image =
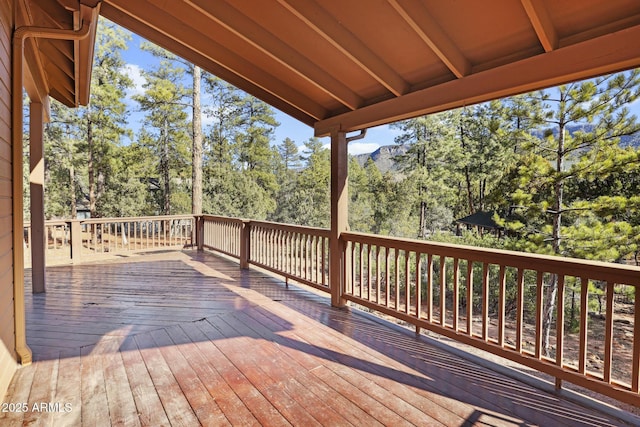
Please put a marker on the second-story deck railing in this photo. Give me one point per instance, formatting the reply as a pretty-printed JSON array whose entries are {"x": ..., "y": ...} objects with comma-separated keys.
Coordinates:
[{"x": 557, "y": 315}]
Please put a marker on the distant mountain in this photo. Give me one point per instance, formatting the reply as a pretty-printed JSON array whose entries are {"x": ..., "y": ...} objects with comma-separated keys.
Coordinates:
[
  {"x": 384, "y": 156},
  {"x": 625, "y": 141}
]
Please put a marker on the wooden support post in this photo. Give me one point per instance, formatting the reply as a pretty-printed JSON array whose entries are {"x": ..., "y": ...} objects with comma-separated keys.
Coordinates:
[
  {"x": 76, "y": 240},
  {"x": 200, "y": 232},
  {"x": 339, "y": 215},
  {"x": 38, "y": 241},
  {"x": 245, "y": 244}
]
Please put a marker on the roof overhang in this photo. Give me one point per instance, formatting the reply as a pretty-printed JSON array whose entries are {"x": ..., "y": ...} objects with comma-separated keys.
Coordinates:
[
  {"x": 59, "y": 68},
  {"x": 349, "y": 65}
]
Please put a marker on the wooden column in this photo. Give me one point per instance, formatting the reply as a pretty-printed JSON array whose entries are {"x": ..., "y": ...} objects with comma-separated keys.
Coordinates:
[
  {"x": 339, "y": 215},
  {"x": 75, "y": 228},
  {"x": 38, "y": 241},
  {"x": 245, "y": 244},
  {"x": 199, "y": 232}
]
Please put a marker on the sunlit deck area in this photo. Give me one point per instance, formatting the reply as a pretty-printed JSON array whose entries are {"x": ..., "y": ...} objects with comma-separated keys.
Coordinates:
[{"x": 188, "y": 338}]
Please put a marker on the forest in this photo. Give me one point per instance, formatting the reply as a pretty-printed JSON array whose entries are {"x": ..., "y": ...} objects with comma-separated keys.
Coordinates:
[{"x": 560, "y": 169}]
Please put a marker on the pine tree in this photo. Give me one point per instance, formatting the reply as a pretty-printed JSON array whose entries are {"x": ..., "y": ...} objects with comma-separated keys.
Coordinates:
[
  {"x": 104, "y": 118},
  {"x": 579, "y": 146},
  {"x": 431, "y": 164},
  {"x": 166, "y": 132},
  {"x": 289, "y": 164}
]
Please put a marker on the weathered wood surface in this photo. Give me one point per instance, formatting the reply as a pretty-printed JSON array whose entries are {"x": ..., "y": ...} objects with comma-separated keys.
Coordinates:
[{"x": 186, "y": 338}]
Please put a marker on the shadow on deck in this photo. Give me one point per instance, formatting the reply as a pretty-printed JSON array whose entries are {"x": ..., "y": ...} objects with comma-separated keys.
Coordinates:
[{"x": 187, "y": 338}]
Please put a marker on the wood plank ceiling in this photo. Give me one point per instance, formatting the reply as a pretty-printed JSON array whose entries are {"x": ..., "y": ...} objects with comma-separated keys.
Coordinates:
[
  {"x": 60, "y": 68},
  {"x": 352, "y": 64}
]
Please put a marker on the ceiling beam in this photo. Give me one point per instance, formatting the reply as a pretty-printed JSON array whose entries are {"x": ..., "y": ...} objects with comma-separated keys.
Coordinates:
[
  {"x": 261, "y": 39},
  {"x": 541, "y": 21},
  {"x": 428, "y": 29},
  {"x": 237, "y": 71},
  {"x": 607, "y": 54},
  {"x": 339, "y": 36}
]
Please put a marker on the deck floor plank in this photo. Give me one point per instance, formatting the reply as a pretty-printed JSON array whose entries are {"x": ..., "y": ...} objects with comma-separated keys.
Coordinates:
[
  {"x": 122, "y": 406},
  {"x": 202, "y": 403},
  {"x": 260, "y": 407},
  {"x": 69, "y": 381},
  {"x": 269, "y": 358},
  {"x": 148, "y": 405},
  {"x": 187, "y": 338},
  {"x": 173, "y": 400},
  {"x": 95, "y": 407},
  {"x": 227, "y": 400}
]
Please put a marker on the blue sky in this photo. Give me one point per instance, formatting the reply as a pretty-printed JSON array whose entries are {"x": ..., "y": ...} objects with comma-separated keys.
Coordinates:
[{"x": 138, "y": 59}]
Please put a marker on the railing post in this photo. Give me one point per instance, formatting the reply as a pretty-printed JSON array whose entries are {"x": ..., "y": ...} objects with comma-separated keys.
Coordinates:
[
  {"x": 200, "y": 232},
  {"x": 76, "y": 240},
  {"x": 245, "y": 244}
]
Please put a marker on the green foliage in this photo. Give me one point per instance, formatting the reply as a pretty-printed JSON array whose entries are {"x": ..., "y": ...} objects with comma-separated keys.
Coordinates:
[
  {"x": 573, "y": 193},
  {"x": 166, "y": 133}
]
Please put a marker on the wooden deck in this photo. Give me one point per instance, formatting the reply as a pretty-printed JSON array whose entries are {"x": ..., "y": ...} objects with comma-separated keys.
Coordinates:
[{"x": 186, "y": 338}]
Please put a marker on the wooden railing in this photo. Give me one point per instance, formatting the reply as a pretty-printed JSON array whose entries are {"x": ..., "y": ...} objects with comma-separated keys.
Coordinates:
[
  {"x": 221, "y": 234},
  {"x": 298, "y": 253},
  {"x": 557, "y": 315},
  {"x": 57, "y": 240},
  {"x": 506, "y": 303},
  {"x": 81, "y": 240}
]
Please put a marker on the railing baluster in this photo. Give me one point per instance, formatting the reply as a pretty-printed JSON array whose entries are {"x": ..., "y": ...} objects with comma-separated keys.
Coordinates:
[
  {"x": 560, "y": 328},
  {"x": 485, "y": 301},
  {"x": 469, "y": 297},
  {"x": 501, "y": 304},
  {"x": 407, "y": 282},
  {"x": 635, "y": 368},
  {"x": 520, "y": 314},
  {"x": 430, "y": 287},
  {"x": 418, "y": 285},
  {"x": 584, "y": 315},
  {"x": 539, "y": 313},
  {"x": 456, "y": 292},
  {"x": 396, "y": 254},
  {"x": 387, "y": 276},
  {"x": 608, "y": 333},
  {"x": 443, "y": 290}
]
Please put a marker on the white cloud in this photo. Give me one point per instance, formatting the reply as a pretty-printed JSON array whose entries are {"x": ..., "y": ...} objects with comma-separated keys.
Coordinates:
[
  {"x": 135, "y": 74},
  {"x": 362, "y": 147},
  {"x": 355, "y": 148}
]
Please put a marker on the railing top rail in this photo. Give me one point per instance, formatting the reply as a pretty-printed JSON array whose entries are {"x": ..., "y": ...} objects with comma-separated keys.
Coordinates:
[
  {"x": 596, "y": 270},
  {"x": 48, "y": 222},
  {"x": 323, "y": 232},
  {"x": 134, "y": 219},
  {"x": 223, "y": 219}
]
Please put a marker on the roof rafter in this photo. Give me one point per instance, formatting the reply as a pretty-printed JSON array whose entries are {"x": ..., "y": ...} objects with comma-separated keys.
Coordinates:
[
  {"x": 238, "y": 71},
  {"x": 617, "y": 52},
  {"x": 259, "y": 38},
  {"x": 325, "y": 25},
  {"x": 428, "y": 29},
  {"x": 541, "y": 21}
]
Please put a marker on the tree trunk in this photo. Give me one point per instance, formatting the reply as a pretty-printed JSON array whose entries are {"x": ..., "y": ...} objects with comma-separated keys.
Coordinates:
[
  {"x": 164, "y": 167},
  {"x": 196, "y": 168},
  {"x": 72, "y": 190},
  {"x": 92, "y": 172},
  {"x": 423, "y": 211},
  {"x": 552, "y": 289}
]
